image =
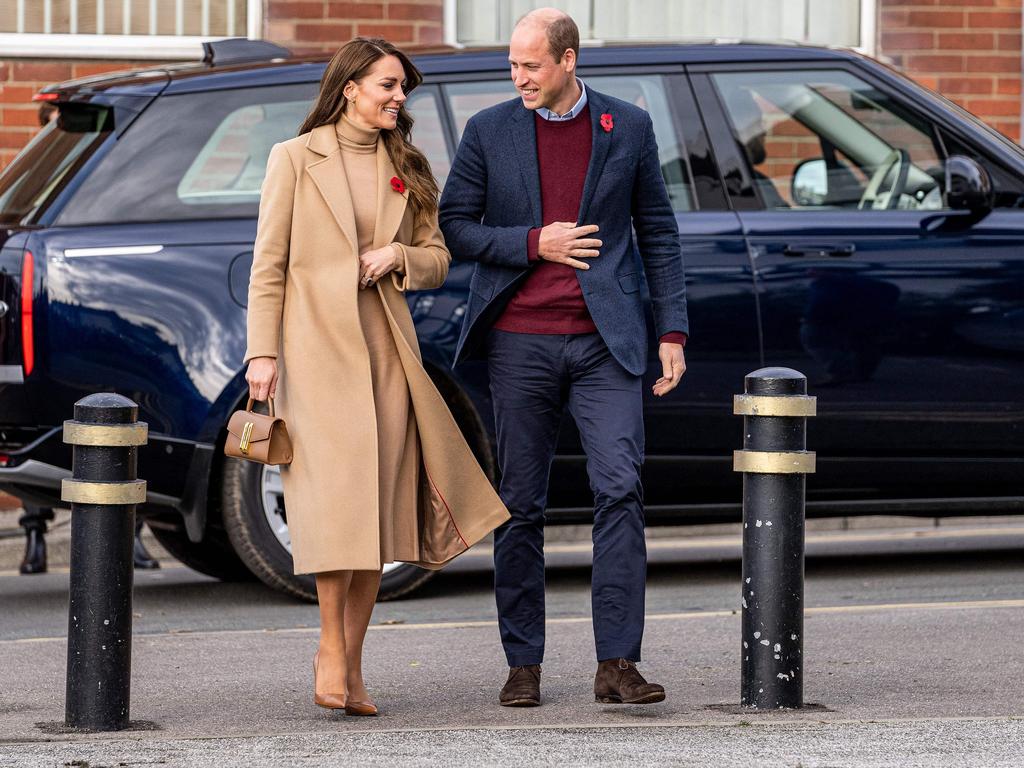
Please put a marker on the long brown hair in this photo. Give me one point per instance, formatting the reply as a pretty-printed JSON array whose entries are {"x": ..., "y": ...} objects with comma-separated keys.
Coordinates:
[{"x": 353, "y": 62}]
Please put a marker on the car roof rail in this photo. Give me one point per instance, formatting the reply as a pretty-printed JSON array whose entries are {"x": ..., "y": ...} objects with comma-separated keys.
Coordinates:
[{"x": 237, "y": 49}]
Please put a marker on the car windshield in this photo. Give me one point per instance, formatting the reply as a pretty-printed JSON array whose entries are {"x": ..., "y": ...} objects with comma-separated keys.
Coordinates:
[{"x": 30, "y": 183}]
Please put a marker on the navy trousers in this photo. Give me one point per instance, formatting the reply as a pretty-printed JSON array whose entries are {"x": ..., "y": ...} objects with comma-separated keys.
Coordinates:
[{"x": 533, "y": 379}]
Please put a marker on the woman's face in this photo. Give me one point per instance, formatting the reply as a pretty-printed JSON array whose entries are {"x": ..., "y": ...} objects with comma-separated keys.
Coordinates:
[{"x": 378, "y": 96}]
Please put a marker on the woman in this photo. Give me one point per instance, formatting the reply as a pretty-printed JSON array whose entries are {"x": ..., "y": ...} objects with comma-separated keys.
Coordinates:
[{"x": 348, "y": 222}]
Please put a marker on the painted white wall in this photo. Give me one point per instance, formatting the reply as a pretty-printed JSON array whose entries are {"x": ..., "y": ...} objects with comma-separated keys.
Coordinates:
[{"x": 824, "y": 22}]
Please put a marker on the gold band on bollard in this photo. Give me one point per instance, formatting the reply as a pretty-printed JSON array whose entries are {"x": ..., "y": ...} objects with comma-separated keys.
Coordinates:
[
  {"x": 84, "y": 492},
  {"x": 781, "y": 405},
  {"x": 774, "y": 462},
  {"x": 109, "y": 435}
]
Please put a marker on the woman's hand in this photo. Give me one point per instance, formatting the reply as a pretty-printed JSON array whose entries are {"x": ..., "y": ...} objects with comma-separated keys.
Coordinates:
[
  {"x": 262, "y": 377},
  {"x": 373, "y": 265}
]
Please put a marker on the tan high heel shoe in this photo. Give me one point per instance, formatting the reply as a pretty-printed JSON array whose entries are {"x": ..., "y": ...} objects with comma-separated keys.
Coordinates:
[
  {"x": 327, "y": 700},
  {"x": 361, "y": 709}
]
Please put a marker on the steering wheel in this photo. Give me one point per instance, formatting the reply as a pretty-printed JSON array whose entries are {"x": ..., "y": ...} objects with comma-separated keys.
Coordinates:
[{"x": 897, "y": 163}]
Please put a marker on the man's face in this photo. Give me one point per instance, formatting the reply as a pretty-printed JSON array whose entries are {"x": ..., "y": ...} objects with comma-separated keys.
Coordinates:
[{"x": 540, "y": 80}]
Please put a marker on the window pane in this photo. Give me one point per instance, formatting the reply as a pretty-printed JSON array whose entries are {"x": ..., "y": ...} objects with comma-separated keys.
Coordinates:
[
  {"x": 826, "y": 139},
  {"x": 50, "y": 161},
  {"x": 124, "y": 17},
  {"x": 648, "y": 92},
  {"x": 645, "y": 91},
  {"x": 836, "y": 22},
  {"x": 428, "y": 132},
  {"x": 212, "y": 156},
  {"x": 466, "y": 99},
  {"x": 230, "y": 167}
]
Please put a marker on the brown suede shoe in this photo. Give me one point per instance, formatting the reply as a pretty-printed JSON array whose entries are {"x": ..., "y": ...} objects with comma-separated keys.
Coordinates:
[
  {"x": 619, "y": 682},
  {"x": 522, "y": 689}
]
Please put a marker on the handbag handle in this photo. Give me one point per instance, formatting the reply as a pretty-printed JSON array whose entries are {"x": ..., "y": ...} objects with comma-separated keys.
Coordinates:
[{"x": 252, "y": 401}]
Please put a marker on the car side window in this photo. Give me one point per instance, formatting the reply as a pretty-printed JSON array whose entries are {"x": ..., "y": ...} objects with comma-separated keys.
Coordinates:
[
  {"x": 646, "y": 91},
  {"x": 827, "y": 140},
  {"x": 204, "y": 155},
  {"x": 428, "y": 131},
  {"x": 192, "y": 156},
  {"x": 232, "y": 163}
]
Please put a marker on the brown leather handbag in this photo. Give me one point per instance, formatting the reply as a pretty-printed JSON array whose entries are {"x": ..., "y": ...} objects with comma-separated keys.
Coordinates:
[{"x": 258, "y": 437}]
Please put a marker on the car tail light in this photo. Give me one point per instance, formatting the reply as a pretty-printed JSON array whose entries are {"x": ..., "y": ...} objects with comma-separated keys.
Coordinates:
[
  {"x": 46, "y": 97},
  {"x": 27, "y": 281}
]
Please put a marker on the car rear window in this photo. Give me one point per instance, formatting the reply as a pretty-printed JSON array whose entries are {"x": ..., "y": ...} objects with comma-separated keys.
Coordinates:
[{"x": 50, "y": 161}]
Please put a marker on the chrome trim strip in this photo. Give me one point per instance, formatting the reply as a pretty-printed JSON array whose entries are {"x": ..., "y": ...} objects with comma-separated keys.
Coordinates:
[
  {"x": 38, "y": 473},
  {"x": 11, "y": 374},
  {"x": 117, "y": 250},
  {"x": 34, "y": 472}
]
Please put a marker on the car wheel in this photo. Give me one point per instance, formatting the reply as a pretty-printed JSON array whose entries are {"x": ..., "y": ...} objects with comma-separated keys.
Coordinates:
[
  {"x": 256, "y": 520},
  {"x": 213, "y": 556}
]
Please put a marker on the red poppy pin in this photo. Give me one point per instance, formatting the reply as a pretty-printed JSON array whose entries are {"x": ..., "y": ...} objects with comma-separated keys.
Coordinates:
[
  {"x": 398, "y": 185},
  {"x": 606, "y": 122}
]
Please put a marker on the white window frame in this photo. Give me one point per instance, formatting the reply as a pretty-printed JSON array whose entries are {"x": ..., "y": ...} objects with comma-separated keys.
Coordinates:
[
  {"x": 84, "y": 46},
  {"x": 868, "y": 26}
]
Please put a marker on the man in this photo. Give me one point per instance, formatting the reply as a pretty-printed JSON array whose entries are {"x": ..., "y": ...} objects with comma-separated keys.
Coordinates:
[{"x": 542, "y": 193}]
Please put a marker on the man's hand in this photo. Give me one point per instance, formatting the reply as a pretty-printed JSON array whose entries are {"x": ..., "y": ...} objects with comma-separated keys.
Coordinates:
[
  {"x": 565, "y": 243},
  {"x": 673, "y": 366}
]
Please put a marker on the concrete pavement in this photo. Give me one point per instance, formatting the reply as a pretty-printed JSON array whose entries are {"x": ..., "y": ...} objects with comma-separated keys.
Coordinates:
[{"x": 914, "y": 659}]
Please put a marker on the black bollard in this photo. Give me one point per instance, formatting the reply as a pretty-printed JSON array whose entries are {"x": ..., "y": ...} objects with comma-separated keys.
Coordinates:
[
  {"x": 774, "y": 461},
  {"x": 103, "y": 493}
]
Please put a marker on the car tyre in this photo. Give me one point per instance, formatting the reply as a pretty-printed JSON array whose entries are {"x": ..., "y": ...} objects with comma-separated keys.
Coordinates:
[{"x": 213, "y": 556}]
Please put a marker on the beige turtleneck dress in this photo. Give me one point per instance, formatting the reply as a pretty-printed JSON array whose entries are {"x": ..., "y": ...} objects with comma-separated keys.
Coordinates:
[{"x": 396, "y": 427}]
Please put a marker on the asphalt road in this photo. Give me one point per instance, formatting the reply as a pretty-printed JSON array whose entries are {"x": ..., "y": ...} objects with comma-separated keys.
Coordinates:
[{"x": 910, "y": 650}]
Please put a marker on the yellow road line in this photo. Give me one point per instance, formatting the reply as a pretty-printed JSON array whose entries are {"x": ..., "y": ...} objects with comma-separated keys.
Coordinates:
[
  {"x": 818, "y": 537},
  {"x": 960, "y": 605}
]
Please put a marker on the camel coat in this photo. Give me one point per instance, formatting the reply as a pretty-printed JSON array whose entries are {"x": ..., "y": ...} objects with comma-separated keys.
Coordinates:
[{"x": 303, "y": 310}]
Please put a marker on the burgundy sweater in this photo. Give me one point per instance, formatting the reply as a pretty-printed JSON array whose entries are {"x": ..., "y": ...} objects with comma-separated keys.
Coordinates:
[{"x": 550, "y": 300}]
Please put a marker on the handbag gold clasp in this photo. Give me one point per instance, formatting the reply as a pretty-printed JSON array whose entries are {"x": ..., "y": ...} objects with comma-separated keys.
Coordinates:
[{"x": 243, "y": 443}]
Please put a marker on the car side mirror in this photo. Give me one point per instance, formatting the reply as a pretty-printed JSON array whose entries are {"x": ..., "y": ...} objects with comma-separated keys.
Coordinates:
[
  {"x": 968, "y": 186},
  {"x": 810, "y": 182}
]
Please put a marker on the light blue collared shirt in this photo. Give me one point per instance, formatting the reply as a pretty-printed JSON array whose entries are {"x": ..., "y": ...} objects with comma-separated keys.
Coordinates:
[{"x": 547, "y": 114}]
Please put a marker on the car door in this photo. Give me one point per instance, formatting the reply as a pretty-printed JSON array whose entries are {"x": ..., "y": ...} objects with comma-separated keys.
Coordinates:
[
  {"x": 905, "y": 318},
  {"x": 691, "y": 432}
]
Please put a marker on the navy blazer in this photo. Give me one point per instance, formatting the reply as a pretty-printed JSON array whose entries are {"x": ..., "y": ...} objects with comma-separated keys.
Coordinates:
[{"x": 492, "y": 200}]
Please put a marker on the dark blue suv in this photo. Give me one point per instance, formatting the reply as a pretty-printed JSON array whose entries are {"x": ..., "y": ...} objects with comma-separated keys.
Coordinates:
[{"x": 834, "y": 216}]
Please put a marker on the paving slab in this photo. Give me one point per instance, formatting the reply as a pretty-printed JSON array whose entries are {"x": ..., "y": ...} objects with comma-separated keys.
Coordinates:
[{"x": 910, "y": 649}]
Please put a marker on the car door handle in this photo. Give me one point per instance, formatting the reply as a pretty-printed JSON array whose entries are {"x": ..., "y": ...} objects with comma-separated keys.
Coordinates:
[{"x": 833, "y": 250}]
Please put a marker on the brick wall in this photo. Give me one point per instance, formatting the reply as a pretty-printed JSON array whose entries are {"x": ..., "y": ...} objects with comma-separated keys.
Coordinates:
[
  {"x": 968, "y": 50},
  {"x": 316, "y": 25}
]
